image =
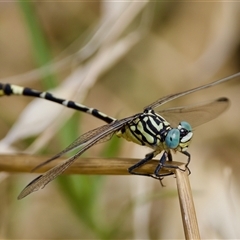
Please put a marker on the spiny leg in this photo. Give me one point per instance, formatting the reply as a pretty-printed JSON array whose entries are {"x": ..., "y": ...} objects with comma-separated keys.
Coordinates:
[
  {"x": 163, "y": 159},
  {"x": 188, "y": 161},
  {"x": 147, "y": 158}
]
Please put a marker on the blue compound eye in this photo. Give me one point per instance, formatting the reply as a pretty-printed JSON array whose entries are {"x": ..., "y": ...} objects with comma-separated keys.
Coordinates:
[
  {"x": 172, "y": 139},
  {"x": 185, "y": 125}
]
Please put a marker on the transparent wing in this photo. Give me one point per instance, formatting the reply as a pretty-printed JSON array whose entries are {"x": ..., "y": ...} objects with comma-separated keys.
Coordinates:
[
  {"x": 85, "y": 141},
  {"x": 195, "y": 114},
  {"x": 171, "y": 97},
  {"x": 80, "y": 142}
]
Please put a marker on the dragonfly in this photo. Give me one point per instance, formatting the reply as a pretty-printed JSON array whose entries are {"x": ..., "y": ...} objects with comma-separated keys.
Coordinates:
[{"x": 167, "y": 131}]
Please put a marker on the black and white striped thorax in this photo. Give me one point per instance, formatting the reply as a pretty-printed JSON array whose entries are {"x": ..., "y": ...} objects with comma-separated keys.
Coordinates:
[{"x": 149, "y": 129}]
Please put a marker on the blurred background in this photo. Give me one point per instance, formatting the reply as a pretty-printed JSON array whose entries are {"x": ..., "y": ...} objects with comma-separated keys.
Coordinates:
[{"x": 118, "y": 57}]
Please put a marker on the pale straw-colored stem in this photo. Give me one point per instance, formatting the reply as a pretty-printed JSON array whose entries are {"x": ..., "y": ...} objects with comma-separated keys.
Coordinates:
[
  {"x": 113, "y": 166},
  {"x": 103, "y": 166},
  {"x": 189, "y": 217}
]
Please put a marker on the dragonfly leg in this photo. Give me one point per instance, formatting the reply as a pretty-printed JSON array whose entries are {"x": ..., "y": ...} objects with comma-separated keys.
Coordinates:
[
  {"x": 147, "y": 158},
  {"x": 188, "y": 161},
  {"x": 166, "y": 155},
  {"x": 169, "y": 156},
  {"x": 163, "y": 159}
]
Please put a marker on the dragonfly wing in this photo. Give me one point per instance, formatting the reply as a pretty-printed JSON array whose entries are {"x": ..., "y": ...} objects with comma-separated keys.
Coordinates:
[
  {"x": 91, "y": 138},
  {"x": 195, "y": 114},
  {"x": 79, "y": 143},
  {"x": 171, "y": 97}
]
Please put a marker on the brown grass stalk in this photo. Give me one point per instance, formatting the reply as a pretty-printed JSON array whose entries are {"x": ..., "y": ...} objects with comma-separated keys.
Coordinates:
[
  {"x": 189, "y": 217},
  {"x": 103, "y": 166},
  {"x": 113, "y": 166}
]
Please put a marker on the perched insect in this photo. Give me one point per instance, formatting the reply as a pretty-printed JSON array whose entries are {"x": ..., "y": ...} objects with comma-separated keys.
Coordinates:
[{"x": 162, "y": 131}]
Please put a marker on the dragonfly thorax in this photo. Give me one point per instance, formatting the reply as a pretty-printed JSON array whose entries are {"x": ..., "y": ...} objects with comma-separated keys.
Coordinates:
[{"x": 152, "y": 130}]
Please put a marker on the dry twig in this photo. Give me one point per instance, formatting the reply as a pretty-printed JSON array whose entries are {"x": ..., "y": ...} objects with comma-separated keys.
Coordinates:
[
  {"x": 113, "y": 166},
  {"x": 189, "y": 217}
]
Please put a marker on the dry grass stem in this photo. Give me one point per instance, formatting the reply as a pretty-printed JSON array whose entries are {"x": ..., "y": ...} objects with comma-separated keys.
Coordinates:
[
  {"x": 112, "y": 166},
  {"x": 189, "y": 217},
  {"x": 103, "y": 166}
]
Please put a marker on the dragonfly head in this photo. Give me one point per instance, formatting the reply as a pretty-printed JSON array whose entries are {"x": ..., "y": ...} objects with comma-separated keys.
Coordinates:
[{"x": 179, "y": 138}]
